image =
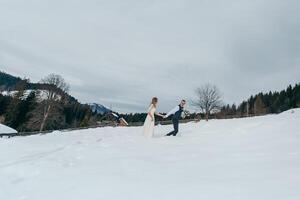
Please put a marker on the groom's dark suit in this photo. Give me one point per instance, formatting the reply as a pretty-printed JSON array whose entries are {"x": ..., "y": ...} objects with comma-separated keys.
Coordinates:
[{"x": 176, "y": 112}]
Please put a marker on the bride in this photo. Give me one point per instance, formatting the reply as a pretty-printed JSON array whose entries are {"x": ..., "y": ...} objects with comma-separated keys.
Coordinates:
[{"x": 150, "y": 119}]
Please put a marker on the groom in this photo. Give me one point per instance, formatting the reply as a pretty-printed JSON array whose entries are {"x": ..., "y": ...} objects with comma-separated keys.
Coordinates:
[{"x": 176, "y": 112}]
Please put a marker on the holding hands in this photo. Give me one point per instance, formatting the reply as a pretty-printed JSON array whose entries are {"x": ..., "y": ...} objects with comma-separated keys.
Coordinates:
[{"x": 161, "y": 115}]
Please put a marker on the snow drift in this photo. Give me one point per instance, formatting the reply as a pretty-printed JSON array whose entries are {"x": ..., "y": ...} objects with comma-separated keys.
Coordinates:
[{"x": 238, "y": 159}]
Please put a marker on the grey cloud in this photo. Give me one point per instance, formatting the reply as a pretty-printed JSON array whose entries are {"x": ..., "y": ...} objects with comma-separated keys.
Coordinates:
[{"x": 121, "y": 53}]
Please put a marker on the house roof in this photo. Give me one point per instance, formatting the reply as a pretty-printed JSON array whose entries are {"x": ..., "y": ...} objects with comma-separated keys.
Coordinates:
[{"x": 6, "y": 129}]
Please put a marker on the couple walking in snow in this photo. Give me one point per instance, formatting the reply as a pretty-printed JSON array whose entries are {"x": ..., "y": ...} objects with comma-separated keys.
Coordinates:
[{"x": 176, "y": 114}]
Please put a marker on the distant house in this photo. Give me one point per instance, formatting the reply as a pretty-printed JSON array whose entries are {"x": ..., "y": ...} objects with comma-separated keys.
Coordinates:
[
  {"x": 112, "y": 119},
  {"x": 122, "y": 122},
  {"x": 7, "y": 130}
]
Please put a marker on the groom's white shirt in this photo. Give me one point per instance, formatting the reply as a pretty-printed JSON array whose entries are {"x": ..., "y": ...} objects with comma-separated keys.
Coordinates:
[{"x": 172, "y": 112}]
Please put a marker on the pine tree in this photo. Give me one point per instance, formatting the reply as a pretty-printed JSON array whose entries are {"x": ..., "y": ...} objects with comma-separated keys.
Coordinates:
[
  {"x": 259, "y": 106},
  {"x": 26, "y": 106},
  {"x": 297, "y": 95},
  {"x": 4, "y": 103},
  {"x": 12, "y": 113},
  {"x": 234, "y": 109}
]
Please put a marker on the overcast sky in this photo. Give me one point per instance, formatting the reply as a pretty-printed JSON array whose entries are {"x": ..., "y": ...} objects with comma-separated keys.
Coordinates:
[{"x": 121, "y": 53}]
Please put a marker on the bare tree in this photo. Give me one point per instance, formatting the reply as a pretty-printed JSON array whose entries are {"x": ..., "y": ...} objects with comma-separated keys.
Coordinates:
[
  {"x": 208, "y": 99},
  {"x": 54, "y": 88}
]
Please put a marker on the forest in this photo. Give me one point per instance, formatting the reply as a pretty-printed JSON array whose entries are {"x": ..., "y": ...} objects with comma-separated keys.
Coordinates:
[{"x": 48, "y": 106}]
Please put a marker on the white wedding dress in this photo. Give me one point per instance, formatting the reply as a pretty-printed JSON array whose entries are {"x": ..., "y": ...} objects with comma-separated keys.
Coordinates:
[{"x": 149, "y": 124}]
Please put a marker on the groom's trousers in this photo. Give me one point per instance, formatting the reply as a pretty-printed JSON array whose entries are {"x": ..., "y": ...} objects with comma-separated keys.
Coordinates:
[{"x": 176, "y": 126}]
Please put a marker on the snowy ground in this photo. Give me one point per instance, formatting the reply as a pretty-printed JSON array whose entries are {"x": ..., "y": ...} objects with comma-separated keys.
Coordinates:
[{"x": 240, "y": 159}]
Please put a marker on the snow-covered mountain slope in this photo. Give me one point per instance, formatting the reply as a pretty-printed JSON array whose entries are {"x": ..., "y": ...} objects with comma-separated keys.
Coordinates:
[
  {"x": 41, "y": 94},
  {"x": 100, "y": 109},
  {"x": 240, "y": 159},
  {"x": 6, "y": 129}
]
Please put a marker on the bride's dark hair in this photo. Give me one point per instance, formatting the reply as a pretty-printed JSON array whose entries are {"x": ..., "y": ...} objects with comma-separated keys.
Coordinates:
[{"x": 154, "y": 101}]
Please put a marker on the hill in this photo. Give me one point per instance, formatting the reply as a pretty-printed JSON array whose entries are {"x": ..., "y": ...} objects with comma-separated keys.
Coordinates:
[
  {"x": 7, "y": 81},
  {"x": 23, "y": 105},
  {"x": 99, "y": 109}
]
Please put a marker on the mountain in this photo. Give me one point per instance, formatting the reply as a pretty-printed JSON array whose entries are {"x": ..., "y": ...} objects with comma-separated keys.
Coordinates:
[
  {"x": 25, "y": 113},
  {"x": 99, "y": 109},
  {"x": 8, "y": 81},
  {"x": 8, "y": 86}
]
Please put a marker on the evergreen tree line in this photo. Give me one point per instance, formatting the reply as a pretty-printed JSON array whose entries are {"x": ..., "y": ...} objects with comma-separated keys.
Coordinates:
[
  {"x": 260, "y": 104},
  {"x": 264, "y": 103},
  {"x": 24, "y": 112}
]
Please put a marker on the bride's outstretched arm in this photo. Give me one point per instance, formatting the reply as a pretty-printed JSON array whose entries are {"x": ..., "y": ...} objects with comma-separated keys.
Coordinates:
[{"x": 158, "y": 114}]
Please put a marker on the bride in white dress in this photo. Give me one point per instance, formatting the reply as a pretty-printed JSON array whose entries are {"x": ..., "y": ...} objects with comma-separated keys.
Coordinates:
[{"x": 150, "y": 119}]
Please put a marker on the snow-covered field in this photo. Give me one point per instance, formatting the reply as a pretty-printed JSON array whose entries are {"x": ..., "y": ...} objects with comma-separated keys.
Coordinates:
[{"x": 240, "y": 159}]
